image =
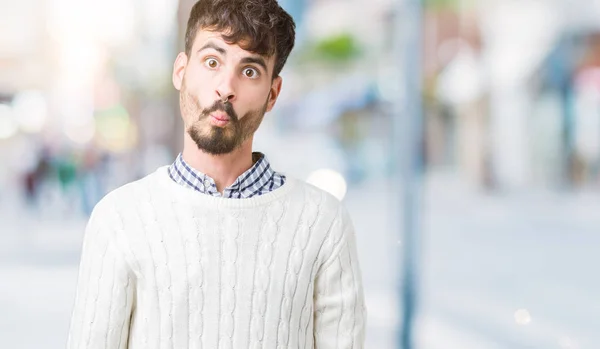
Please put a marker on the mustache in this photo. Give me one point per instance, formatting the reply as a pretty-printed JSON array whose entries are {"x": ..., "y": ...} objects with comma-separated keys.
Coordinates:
[{"x": 220, "y": 106}]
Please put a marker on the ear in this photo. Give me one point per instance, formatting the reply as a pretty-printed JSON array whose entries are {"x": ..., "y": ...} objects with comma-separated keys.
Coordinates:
[
  {"x": 179, "y": 70},
  {"x": 274, "y": 92}
]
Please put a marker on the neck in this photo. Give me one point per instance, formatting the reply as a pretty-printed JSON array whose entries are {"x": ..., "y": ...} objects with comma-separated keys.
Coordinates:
[{"x": 224, "y": 169}]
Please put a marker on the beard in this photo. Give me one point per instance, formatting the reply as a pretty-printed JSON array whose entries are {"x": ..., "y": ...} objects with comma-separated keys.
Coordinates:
[{"x": 213, "y": 139}]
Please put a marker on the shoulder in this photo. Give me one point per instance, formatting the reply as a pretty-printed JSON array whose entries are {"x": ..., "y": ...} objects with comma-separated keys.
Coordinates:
[
  {"x": 322, "y": 205},
  {"x": 128, "y": 195},
  {"x": 313, "y": 195}
]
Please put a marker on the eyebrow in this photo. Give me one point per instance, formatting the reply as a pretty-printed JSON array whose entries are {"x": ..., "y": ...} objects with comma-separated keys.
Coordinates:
[
  {"x": 214, "y": 47},
  {"x": 256, "y": 60}
]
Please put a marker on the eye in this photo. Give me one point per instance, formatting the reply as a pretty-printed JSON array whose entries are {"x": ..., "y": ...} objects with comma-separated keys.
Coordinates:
[
  {"x": 211, "y": 63},
  {"x": 251, "y": 73}
]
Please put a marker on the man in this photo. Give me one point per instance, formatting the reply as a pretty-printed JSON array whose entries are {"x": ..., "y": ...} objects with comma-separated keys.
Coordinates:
[{"x": 218, "y": 250}]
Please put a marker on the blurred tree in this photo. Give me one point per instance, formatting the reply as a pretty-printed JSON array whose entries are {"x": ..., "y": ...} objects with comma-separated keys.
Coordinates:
[
  {"x": 339, "y": 48},
  {"x": 447, "y": 4}
]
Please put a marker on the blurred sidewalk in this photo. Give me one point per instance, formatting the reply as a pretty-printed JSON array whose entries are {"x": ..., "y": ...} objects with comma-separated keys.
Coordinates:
[{"x": 483, "y": 258}]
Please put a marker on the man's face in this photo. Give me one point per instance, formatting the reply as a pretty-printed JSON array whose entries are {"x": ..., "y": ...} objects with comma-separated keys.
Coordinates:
[{"x": 224, "y": 92}]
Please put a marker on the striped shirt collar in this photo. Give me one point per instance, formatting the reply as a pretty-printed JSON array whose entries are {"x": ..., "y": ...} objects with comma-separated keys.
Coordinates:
[{"x": 259, "y": 179}]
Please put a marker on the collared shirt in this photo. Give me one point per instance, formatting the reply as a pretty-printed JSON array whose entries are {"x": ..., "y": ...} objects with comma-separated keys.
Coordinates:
[{"x": 259, "y": 179}]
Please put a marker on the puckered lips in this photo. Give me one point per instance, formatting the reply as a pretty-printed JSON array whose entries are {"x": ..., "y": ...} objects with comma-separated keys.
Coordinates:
[{"x": 219, "y": 119}]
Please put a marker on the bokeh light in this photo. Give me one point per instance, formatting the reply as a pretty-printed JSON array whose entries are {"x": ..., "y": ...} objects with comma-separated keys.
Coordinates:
[
  {"x": 522, "y": 317},
  {"x": 329, "y": 180},
  {"x": 31, "y": 111},
  {"x": 8, "y": 125}
]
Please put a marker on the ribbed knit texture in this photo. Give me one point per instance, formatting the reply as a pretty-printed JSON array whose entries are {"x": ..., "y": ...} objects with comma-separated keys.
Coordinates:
[{"x": 164, "y": 267}]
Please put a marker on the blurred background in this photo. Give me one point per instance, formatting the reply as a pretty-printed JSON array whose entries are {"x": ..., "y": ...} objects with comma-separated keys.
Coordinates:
[{"x": 505, "y": 178}]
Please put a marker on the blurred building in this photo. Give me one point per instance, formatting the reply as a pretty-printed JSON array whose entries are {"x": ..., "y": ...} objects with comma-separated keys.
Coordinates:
[{"x": 80, "y": 77}]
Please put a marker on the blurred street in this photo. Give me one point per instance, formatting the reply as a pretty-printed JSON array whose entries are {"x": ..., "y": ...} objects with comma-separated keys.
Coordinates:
[
  {"x": 498, "y": 271},
  {"x": 495, "y": 103}
]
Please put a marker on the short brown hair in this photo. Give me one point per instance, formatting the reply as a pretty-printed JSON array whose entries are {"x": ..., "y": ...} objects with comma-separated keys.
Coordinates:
[{"x": 263, "y": 26}]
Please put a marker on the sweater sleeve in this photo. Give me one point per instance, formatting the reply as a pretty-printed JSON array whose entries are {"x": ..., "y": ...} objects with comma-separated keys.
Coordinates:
[
  {"x": 105, "y": 289},
  {"x": 339, "y": 309}
]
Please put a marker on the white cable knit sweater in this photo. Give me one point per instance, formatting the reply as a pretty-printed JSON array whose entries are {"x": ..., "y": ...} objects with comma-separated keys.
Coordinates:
[{"x": 165, "y": 267}]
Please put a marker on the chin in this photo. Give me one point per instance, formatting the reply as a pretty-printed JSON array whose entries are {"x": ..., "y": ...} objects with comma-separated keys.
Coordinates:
[{"x": 212, "y": 144}]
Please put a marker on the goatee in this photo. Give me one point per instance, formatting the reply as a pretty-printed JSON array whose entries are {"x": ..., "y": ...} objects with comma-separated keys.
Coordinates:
[{"x": 217, "y": 140}]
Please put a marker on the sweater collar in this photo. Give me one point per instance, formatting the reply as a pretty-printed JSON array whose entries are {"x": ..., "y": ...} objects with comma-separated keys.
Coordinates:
[{"x": 255, "y": 181}]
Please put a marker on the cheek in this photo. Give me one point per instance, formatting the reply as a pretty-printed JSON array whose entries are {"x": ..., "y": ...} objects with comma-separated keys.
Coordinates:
[
  {"x": 198, "y": 84},
  {"x": 254, "y": 98}
]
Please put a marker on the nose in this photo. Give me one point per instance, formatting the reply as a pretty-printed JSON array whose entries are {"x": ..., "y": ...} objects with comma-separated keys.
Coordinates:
[{"x": 226, "y": 88}]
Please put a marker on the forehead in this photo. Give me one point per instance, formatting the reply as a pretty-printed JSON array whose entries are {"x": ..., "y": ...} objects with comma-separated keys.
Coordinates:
[{"x": 203, "y": 36}]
